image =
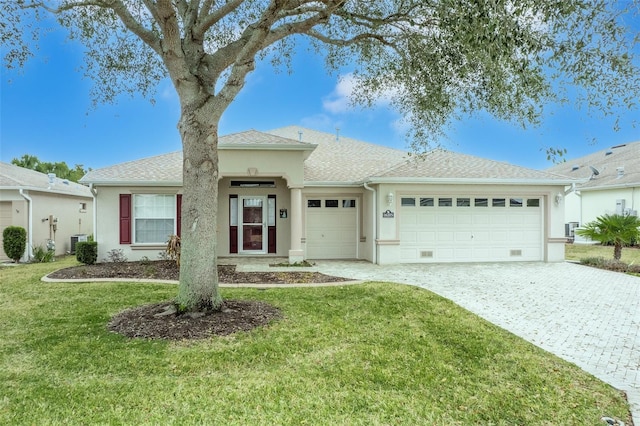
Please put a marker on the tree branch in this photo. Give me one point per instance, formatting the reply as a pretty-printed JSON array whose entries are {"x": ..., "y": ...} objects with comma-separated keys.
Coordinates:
[{"x": 206, "y": 20}]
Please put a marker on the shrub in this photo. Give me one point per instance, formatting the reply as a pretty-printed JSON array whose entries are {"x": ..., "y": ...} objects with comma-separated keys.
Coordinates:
[
  {"x": 173, "y": 249},
  {"x": 14, "y": 242},
  {"x": 42, "y": 255},
  {"x": 87, "y": 252},
  {"x": 116, "y": 256}
]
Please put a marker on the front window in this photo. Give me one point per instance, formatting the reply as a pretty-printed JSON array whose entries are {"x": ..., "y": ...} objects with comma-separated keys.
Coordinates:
[{"x": 154, "y": 218}]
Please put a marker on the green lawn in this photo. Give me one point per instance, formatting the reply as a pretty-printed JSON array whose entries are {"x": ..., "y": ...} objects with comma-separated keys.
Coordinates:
[
  {"x": 367, "y": 354},
  {"x": 582, "y": 251}
]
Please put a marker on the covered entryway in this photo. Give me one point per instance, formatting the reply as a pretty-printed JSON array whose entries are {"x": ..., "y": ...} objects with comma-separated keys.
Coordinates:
[
  {"x": 332, "y": 228},
  {"x": 470, "y": 229}
]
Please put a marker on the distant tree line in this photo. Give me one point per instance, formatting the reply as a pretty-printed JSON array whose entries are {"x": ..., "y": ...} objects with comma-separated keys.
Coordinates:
[{"x": 61, "y": 169}]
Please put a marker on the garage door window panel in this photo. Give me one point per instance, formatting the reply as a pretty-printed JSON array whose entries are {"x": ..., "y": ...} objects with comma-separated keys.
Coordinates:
[
  {"x": 515, "y": 202},
  {"x": 331, "y": 204},
  {"x": 407, "y": 202},
  {"x": 498, "y": 202},
  {"x": 463, "y": 202},
  {"x": 348, "y": 204},
  {"x": 533, "y": 202},
  {"x": 427, "y": 202},
  {"x": 314, "y": 204},
  {"x": 445, "y": 202},
  {"x": 481, "y": 202}
]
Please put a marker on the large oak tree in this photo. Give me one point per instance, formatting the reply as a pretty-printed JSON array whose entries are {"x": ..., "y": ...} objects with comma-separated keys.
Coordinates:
[{"x": 440, "y": 59}]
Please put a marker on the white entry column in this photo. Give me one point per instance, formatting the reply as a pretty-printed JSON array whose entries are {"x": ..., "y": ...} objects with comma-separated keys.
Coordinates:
[{"x": 296, "y": 254}]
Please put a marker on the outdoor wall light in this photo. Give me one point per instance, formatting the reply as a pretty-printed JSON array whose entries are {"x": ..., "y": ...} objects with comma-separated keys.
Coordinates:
[
  {"x": 390, "y": 198},
  {"x": 558, "y": 199}
]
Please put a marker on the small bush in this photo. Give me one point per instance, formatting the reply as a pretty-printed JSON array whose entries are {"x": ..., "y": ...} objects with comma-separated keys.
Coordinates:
[
  {"x": 173, "y": 249},
  {"x": 42, "y": 255},
  {"x": 116, "y": 256},
  {"x": 14, "y": 242},
  {"x": 87, "y": 252},
  {"x": 610, "y": 265}
]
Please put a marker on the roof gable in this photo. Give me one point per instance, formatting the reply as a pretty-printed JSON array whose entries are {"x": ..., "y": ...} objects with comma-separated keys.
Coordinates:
[{"x": 341, "y": 159}]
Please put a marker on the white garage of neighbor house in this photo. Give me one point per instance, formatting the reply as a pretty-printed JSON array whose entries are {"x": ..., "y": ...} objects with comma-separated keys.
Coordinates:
[
  {"x": 47, "y": 207},
  {"x": 608, "y": 182},
  {"x": 303, "y": 194}
]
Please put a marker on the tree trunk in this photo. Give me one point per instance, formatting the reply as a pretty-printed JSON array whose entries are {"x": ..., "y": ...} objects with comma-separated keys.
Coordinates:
[
  {"x": 617, "y": 251},
  {"x": 198, "y": 288}
]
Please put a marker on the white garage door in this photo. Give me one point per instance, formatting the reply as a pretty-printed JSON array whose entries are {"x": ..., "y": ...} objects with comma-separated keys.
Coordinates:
[
  {"x": 332, "y": 228},
  {"x": 470, "y": 229}
]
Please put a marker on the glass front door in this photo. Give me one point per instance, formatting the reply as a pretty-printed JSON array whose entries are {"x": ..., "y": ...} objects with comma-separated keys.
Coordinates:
[{"x": 253, "y": 219}]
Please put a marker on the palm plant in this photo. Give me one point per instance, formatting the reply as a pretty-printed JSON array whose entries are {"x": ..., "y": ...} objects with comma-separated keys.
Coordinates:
[{"x": 616, "y": 229}]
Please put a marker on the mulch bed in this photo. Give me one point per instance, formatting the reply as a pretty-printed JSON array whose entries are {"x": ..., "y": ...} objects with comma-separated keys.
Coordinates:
[
  {"x": 159, "y": 321},
  {"x": 236, "y": 315},
  {"x": 168, "y": 270}
]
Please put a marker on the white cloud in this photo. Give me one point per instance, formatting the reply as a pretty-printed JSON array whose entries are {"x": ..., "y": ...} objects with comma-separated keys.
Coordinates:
[{"x": 339, "y": 101}]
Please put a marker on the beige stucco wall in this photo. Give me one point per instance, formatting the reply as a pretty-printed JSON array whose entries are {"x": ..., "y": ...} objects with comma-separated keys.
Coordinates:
[
  {"x": 66, "y": 208},
  {"x": 598, "y": 202},
  {"x": 262, "y": 163},
  {"x": 379, "y": 237},
  {"x": 107, "y": 230}
]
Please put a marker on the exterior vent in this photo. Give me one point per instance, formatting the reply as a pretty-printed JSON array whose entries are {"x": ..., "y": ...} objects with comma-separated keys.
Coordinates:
[
  {"x": 574, "y": 167},
  {"x": 620, "y": 171},
  {"x": 516, "y": 253},
  {"x": 426, "y": 254},
  {"x": 609, "y": 152}
]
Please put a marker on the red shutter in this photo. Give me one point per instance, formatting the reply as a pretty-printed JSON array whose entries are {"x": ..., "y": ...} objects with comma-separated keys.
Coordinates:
[
  {"x": 233, "y": 230},
  {"x": 125, "y": 218},
  {"x": 179, "y": 214},
  {"x": 271, "y": 230}
]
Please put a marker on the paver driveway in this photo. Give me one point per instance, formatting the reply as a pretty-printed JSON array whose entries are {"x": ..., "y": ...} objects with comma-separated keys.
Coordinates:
[{"x": 587, "y": 316}]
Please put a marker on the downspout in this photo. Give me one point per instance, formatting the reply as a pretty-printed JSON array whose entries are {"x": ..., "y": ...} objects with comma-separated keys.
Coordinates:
[
  {"x": 29, "y": 224},
  {"x": 94, "y": 194},
  {"x": 374, "y": 251}
]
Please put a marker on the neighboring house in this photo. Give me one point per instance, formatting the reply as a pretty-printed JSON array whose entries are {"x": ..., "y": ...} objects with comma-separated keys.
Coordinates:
[
  {"x": 303, "y": 194},
  {"x": 608, "y": 182},
  {"x": 49, "y": 208}
]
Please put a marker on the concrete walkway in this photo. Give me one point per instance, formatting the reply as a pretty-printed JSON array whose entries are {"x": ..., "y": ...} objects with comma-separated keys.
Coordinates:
[{"x": 587, "y": 316}]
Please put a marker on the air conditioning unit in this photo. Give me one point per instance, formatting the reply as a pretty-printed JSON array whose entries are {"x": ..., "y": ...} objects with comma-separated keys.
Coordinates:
[
  {"x": 76, "y": 239},
  {"x": 570, "y": 229}
]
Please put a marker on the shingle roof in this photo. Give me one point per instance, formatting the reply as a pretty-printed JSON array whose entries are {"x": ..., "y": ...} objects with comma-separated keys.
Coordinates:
[
  {"x": 341, "y": 159},
  {"x": 335, "y": 159},
  {"x": 158, "y": 170},
  {"x": 616, "y": 166},
  {"x": 15, "y": 177},
  {"x": 254, "y": 137},
  {"x": 443, "y": 164}
]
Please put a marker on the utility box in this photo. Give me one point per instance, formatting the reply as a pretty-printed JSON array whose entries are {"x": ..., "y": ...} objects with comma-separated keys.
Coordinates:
[{"x": 76, "y": 239}]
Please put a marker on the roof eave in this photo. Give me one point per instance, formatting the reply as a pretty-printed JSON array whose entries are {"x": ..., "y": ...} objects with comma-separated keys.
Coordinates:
[
  {"x": 268, "y": 147},
  {"x": 133, "y": 183},
  {"x": 46, "y": 190},
  {"x": 605, "y": 187},
  {"x": 469, "y": 181}
]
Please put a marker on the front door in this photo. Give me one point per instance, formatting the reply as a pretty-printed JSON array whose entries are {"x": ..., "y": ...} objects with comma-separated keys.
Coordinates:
[{"x": 252, "y": 216}]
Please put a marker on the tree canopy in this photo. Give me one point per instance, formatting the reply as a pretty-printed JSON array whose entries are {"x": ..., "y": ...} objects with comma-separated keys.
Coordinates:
[
  {"x": 61, "y": 169},
  {"x": 439, "y": 59},
  {"x": 436, "y": 59}
]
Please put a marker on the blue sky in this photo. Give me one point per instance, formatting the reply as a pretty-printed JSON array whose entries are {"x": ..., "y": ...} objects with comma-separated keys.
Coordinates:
[{"x": 46, "y": 111}]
